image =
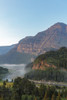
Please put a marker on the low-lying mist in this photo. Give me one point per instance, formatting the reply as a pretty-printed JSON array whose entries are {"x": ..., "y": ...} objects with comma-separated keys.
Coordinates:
[{"x": 15, "y": 70}]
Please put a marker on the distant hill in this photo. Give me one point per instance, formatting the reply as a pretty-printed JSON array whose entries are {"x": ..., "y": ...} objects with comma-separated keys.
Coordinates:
[
  {"x": 55, "y": 59},
  {"x": 49, "y": 66},
  {"x": 14, "y": 57},
  {"x": 28, "y": 48},
  {"x": 5, "y": 49}
]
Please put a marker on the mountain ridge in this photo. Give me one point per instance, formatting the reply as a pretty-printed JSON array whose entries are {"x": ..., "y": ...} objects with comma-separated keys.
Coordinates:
[
  {"x": 53, "y": 37},
  {"x": 28, "y": 48}
]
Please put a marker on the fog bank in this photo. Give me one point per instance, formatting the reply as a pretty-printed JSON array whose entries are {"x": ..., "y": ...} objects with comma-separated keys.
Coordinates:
[{"x": 15, "y": 70}]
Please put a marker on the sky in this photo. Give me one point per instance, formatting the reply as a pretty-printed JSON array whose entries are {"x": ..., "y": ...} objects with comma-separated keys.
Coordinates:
[{"x": 21, "y": 18}]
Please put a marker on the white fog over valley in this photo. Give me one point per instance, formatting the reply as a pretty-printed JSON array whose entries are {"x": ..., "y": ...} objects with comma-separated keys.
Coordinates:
[{"x": 15, "y": 70}]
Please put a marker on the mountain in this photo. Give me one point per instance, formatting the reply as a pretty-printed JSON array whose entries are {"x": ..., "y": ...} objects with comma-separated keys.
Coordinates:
[
  {"x": 51, "y": 59},
  {"x": 5, "y": 49},
  {"x": 28, "y": 48},
  {"x": 54, "y": 59},
  {"x": 50, "y": 39},
  {"x": 51, "y": 66}
]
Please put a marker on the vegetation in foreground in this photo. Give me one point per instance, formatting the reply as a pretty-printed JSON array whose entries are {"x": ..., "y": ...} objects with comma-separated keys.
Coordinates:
[{"x": 23, "y": 89}]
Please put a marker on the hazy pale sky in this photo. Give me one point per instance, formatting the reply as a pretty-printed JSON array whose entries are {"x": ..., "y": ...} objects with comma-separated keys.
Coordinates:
[{"x": 21, "y": 18}]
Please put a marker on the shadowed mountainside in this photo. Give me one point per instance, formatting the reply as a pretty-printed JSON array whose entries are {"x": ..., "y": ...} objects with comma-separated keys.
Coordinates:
[{"x": 5, "y": 49}]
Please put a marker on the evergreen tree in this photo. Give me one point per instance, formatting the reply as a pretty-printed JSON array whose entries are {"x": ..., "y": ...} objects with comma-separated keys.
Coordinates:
[
  {"x": 53, "y": 97},
  {"x": 46, "y": 96},
  {"x": 58, "y": 97},
  {"x": 35, "y": 98}
]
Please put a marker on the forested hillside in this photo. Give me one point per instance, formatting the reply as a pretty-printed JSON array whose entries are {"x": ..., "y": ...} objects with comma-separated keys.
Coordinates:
[
  {"x": 57, "y": 58},
  {"x": 49, "y": 66},
  {"x": 3, "y": 72}
]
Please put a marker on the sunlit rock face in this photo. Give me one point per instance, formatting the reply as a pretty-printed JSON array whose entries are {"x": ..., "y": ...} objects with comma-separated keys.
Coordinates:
[
  {"x": 53, "y": 38},
  {"x": 28, "y": 48},
  {"x": 42, "y": 66}
]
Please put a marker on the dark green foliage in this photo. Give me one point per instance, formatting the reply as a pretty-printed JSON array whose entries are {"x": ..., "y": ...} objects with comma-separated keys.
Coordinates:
[
  {"x": 51, "y": 90},
  {"x": 3, "y": 72},
  {"x": 58, "y": 97},
  {"x": 48, "y": 74},
  {"x": 53, "y": 97},
  {"x": 42, "y": 90},
  {"x": 23, "y": 86},
  {"x": 58, "y": 58},
  {"x": 64, "y": 93},
  {"x": 28, "y": 97},
  {"x": 5, "y": 93},
  {"x": 23, "y": 89},
  {"x": 46, "y": 97}
]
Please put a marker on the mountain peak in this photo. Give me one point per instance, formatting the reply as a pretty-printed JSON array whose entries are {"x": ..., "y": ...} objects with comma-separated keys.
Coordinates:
[
  {"x": 60, "y": 23},
  {"x": 52, "y": 38},
  {"x": 59, "y": 26}
]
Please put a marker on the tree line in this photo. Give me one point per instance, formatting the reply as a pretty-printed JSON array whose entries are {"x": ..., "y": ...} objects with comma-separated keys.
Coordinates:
[{"x": 23, "y": 89}]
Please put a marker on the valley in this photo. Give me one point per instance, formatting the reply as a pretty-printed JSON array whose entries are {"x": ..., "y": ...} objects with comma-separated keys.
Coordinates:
[
  {"x": 15, "y": 70},
  {"x": 33, "y": 49}
]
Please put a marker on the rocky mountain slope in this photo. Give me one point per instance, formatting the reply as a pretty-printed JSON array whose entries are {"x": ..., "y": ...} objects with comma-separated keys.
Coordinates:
[{"x": 53, "y": 38}]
